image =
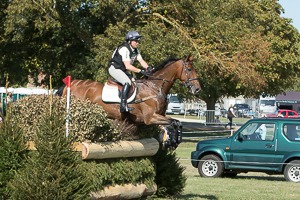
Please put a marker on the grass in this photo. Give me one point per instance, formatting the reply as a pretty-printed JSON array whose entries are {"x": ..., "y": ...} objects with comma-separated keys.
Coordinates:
[
  {"x": 222, "y": 119},
  {"x": 245, "y": 186}
]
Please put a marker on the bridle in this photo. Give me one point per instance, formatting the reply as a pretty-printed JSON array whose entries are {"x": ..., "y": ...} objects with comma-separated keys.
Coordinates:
[
  {"x": 184, "y": 69},
  {"x": 187, "y": 71}
]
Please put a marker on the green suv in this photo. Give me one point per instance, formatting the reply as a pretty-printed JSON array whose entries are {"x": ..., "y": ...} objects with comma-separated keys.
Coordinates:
[{"x": 270, "y": 145}]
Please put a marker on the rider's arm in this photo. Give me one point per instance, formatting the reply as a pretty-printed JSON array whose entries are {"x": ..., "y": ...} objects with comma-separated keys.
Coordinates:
[
  {"x": 124, "y": 52},
  {"x": 142, "y": 61},
  {"x": 130, "y": 67}
]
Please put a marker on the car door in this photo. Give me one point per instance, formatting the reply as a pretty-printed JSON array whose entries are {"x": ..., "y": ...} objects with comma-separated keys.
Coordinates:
[
  {"x": 284, "y": 114},
  {"x": 254, "y": 147}
]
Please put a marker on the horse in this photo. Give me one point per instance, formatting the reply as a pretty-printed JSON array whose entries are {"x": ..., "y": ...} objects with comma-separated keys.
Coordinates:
[{"x": 150, "y": 103}]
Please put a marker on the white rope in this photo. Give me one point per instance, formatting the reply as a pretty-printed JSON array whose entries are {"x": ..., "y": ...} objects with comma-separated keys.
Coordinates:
[{"x": 235, "y": 162}]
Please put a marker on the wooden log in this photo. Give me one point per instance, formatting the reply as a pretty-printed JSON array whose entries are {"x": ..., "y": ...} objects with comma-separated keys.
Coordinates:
[
  {"x": 120, "y": 149},
  {"x": 77, "y": 146},
  {"x": 127, "y": 191}
]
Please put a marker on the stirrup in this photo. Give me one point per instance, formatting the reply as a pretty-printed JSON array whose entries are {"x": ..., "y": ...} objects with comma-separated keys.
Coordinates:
[{"x": 126, "y": 109}]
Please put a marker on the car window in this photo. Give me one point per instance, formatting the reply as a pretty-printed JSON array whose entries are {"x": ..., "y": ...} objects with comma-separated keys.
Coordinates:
[
  {"x": 290, "y": 113},
  {"x": 292, "y": 132},
  {"x": 259, "y": 131}
]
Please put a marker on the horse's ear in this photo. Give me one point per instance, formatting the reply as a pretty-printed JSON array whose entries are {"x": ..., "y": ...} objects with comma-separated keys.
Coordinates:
[{"x": 189, "y": 58}]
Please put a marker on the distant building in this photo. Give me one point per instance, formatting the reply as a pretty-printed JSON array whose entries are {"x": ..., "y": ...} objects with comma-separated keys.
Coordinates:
[{"x": 289, "y": 100}]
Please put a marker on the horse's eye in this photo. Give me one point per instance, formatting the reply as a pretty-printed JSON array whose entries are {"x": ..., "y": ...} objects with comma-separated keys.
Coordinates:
[{"x": 189, "y": 69}]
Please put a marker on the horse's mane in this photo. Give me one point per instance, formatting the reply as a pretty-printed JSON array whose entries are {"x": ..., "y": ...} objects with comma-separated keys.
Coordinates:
[{"x": 165, "y": 63}]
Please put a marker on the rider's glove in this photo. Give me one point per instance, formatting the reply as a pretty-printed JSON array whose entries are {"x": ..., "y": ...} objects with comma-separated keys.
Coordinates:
[
  {"x": 150, "y": 69},
  {"x": 145, "y": 73}
]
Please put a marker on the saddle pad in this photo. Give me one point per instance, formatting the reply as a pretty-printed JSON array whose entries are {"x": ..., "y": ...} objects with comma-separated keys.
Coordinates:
[{"x": 110, "y": 93}]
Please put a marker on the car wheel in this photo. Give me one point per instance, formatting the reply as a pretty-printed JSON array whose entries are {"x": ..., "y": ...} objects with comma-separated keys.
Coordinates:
[
  {"x": 210, "y": 166},
  {"x": 292, "y": 171}
]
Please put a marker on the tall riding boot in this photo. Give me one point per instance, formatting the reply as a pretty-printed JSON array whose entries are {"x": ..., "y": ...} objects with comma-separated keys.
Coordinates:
[{"x": 123, "y": 106}]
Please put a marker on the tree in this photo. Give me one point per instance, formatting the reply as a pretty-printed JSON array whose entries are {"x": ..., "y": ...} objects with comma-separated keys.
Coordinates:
[
  {"x": 55, "y": 37},
  {"x": 12, "y": 153},
  {"x": 54, "y": 170},
  {"x": 242, "y": 47},
  {"x": 245, "y": 47}
]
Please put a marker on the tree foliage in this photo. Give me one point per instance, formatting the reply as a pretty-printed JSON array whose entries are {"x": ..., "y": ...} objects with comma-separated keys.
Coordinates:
[
  {"x": 242, "y": 47},
  {"x": 12, "y": 153},
  {"x": 54, "y": 170}
]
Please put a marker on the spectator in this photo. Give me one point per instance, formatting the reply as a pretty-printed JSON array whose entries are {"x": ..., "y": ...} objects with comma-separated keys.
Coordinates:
[
  {"x": 9, "y": 98},
  {"x": 230, "y": 115},
  {"x": 1, "y": 106}
]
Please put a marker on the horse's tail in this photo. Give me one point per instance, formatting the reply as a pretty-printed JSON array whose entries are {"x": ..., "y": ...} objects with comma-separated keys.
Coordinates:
[{"x": 60, "y": 90}]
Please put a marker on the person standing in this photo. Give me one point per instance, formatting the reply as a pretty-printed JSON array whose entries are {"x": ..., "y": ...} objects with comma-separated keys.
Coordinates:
[
  {"x": 230, "y": 116},
  {"x": 121, "y": 64}
]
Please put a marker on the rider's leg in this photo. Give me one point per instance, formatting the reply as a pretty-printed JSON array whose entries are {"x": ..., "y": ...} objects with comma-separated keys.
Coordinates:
[
  {"x": 124, "y": 107},
  {"x": 122, "y": 78}
]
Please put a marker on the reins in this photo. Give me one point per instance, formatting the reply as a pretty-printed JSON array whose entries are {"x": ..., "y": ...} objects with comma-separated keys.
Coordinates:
[{"x": 187, "y": 82}]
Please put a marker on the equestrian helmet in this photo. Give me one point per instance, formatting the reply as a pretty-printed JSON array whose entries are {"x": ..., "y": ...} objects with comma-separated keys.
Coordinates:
[{"x": 132, "y": 35}]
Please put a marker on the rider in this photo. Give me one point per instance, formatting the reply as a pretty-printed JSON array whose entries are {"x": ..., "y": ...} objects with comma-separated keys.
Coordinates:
[{"x": 122, "y": 63}]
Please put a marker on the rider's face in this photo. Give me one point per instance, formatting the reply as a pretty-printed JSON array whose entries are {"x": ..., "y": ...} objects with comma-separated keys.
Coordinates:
[{"x": 134, "y": 43}]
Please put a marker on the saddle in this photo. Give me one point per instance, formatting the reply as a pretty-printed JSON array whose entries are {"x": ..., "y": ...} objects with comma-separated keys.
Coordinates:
[{"x": 111, "y": 92}]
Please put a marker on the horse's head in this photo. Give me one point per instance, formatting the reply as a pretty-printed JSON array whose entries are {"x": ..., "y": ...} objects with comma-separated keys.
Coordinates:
[{"x": 189, "y": 75}]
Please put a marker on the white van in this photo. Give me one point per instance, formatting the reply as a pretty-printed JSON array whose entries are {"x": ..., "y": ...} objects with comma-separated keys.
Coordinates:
[
  {"x": 175, "y": 105},
  {"x": 267, "y": 105}
]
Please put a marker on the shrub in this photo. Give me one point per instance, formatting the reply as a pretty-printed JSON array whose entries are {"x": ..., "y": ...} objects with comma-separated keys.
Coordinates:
[
  {"x": 12, "y": 154},
  {"x": 170, "y": 178},
  {"x": 52, "y": 171},
  {"x": 87, "y": 121},
  {"x": 120, "y": 171}
]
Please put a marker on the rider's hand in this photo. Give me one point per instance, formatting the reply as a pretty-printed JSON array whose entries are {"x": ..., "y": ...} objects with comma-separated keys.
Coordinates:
[
  {"x": 150, "y": 69},
  {"x": 145, "y": 73}
]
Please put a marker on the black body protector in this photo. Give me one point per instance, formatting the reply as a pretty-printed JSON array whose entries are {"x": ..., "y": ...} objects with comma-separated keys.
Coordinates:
[{"x": 116, "y": 60}]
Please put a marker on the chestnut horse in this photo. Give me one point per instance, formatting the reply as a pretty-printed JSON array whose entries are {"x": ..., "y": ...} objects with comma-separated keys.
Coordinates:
[{"x": 151, "y": 100}]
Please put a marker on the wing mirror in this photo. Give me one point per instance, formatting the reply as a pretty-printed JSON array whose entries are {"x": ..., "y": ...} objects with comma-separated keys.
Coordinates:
[{"x": 240, "y": 137}]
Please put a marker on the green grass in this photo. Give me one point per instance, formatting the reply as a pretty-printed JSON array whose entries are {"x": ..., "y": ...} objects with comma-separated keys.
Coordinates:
[{"x": 245, "y": 186}]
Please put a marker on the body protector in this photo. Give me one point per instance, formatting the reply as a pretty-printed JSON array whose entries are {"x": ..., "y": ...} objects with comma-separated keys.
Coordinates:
[{"x": 116, "y": 60}]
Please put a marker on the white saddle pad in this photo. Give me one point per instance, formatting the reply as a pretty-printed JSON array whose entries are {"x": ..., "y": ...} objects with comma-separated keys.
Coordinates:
[{"x": 111, "y": 94}]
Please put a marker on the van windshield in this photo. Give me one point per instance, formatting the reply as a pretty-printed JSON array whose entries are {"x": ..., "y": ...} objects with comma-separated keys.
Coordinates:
[
  {"x": 267, "y": 102},
  {"x": 175, "y": 99}
]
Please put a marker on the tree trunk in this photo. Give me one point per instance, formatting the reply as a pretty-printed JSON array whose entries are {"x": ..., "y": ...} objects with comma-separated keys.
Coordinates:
[{"x": 210, "y": 106}]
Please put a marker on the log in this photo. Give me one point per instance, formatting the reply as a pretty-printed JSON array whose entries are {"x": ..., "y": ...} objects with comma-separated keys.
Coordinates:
[
  {"x": 120, "y": 149},
  {"x": 127, "y": 191},
  {"x": 76, "y": 146}
]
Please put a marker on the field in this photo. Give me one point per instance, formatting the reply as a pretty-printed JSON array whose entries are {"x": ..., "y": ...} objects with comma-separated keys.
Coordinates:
[{"x": 245, "y": 186}]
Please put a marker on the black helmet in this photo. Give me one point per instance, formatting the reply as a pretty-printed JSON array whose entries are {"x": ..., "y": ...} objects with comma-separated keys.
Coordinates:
[{"x": 132, "y": 35}]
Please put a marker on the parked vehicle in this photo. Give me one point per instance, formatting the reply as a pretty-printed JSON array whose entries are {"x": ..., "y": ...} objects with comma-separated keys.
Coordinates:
[
  {"x": 267, "y": 105},
  {"x": 175, "y": 105},
  {"x": 241, "y": 109},
  {"x": 283, "y": 113},
  {"x": 270, "y": 145}
]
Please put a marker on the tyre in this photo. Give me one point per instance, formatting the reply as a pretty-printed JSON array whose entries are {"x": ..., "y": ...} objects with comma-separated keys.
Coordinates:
[
  {"x": 211, "y": 166},
  {"x": 292, "y": 171}
]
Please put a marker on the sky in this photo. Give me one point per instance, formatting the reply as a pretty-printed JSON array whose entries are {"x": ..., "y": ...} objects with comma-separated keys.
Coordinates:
[{"x": 291, "y": 7}]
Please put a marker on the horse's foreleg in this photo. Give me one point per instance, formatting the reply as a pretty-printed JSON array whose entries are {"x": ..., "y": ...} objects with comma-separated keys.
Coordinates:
[
  {"x": 157, "y": 119},
  {"x": 175, "y": 135},
  {"x": 178, "y": 131}
]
